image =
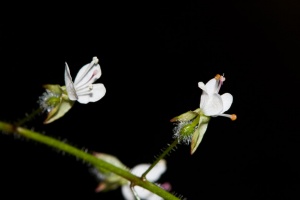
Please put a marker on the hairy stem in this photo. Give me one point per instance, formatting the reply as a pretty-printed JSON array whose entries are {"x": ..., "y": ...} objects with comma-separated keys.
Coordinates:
[
  {"x": 29, "y": 117},
  {"x": 164, "y": 153},
  {"x": 10, "y": 129}
]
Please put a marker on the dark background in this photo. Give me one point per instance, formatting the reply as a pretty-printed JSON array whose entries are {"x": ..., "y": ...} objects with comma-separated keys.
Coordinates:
[{"x": 152, "y": 57}]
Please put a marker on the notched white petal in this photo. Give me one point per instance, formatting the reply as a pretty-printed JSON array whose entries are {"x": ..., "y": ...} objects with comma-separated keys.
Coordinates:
[
  {"x": 211, "y": 86},
  {"x": 201, "y": 85}
]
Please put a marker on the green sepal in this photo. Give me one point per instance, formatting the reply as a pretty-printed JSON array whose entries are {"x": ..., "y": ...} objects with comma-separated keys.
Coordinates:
[
  {"x": 186, "y": 116},
  {"x": 54, "y": 88},
  {"x": 199, "y": 132},
  {"x": 61, "y": 103},
  {"x": 60, "y": 110}
]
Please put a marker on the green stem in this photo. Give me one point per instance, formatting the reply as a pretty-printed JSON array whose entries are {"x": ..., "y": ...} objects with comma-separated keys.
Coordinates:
[
  {"x": 29, "y": 117},
  {"x": 165, "y": 152},
  {"x": 9, "y": 128}
]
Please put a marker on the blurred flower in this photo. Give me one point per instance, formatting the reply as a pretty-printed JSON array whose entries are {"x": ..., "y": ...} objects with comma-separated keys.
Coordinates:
[
  {"x": 83, "y": 90},
  {"x": 152, "y": 176},
  {"x": 111, "y": 181},
  {"x": 108, "y": 180}
]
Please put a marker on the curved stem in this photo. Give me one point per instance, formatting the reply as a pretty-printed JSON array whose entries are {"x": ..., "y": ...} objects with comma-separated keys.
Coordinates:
[
  {"x": 165, "y": 152},
  {"x": 9, "y": 128}
]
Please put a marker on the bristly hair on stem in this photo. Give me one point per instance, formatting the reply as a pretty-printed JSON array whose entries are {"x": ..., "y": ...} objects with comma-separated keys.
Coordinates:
[
  {"x": 29, "y": 117},
  {"x": 161, "y": 156}
]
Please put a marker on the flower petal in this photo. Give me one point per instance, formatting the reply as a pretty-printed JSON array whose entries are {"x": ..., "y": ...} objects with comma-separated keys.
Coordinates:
[
  {"x": 154, "y": 174},
  {"x": 88, "y": 74},
  {"x": 227, "y": 100},
  {"x": 141, "y": 192},
  {"x": 157, "y": 171},
  {"x": 126, "y": 192},
  {"x": 201, "y": 85},
  {"x": 154, "y": 197},
  {"x": 69, "y": 84},
  {"x": 203, "y": 99},
  {"x": 91, "y": 93},
  {"x": 212, "y": 86},
  {"x": 214, "y": 105},
  {"x": 198, "y": 135}
]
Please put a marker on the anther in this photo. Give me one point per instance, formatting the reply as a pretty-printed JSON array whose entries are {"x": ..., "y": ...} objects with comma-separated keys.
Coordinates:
[
  {"x": 218, "y": 76},
  {"x": 233, "y": 117}
]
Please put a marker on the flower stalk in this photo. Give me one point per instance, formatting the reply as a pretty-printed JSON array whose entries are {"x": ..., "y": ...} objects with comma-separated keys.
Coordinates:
[
  {"x": 29, "y": 117},
  {"x": 164, "y": 153}
]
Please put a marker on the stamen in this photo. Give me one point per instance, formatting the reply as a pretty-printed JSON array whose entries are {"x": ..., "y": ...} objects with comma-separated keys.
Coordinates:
[
  {"x": 233, "y": 117},
  {"x": 218, "y": 76},
  {"x": 220, "y": 79},
  {"x": 94, "y": 62}
]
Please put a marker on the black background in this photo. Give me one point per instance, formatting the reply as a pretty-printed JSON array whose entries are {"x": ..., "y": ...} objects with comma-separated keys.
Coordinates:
[{"x": 152, "y": 57}]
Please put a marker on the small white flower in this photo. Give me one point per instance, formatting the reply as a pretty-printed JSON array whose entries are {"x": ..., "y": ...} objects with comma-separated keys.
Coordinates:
[
  {"x": 152, "y": 176},
  {"x": 83, "y": 90},
  {"x": 213, "y": 104}
]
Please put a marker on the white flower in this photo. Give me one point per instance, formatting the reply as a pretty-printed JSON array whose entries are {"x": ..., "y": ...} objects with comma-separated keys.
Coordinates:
[
  {"x": 152, "y": 176},
  {"x": 213, "y": 104},
  {"x": 83, "y": 90}
]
